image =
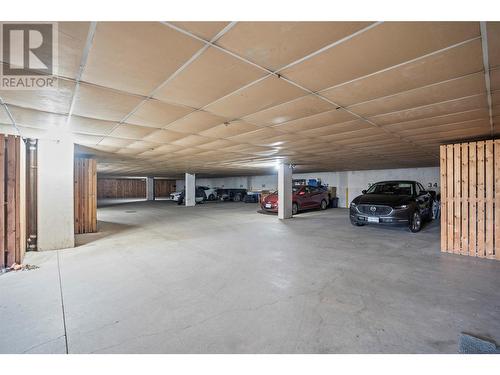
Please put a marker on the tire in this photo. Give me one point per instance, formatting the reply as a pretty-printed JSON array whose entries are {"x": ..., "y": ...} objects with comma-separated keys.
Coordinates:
[
  {"x": 237, "y": 198},
  {"x": 211, "y": 197},
  {"x": 323, "y": 205},
  {"x": 415, "y": 222},
  {"x": 295, "y": 208},
  {"x": 356, "y": 224}
]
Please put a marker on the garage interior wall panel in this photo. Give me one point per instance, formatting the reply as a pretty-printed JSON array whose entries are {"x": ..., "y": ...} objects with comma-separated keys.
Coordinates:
[
  {"x": 163, "y": 188},
  {"x": 121, "y": 188},
  {"x": 12, "y": 217},
  {"x": 470, "y": 199},
  {"x": 85, "y": 179}
]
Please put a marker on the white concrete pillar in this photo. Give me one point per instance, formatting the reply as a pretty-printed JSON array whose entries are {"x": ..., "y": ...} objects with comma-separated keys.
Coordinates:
[
  {"x": 190, "y": 190},
  {"x": 55, "y": 195},
  {"x": 150, "y": 188},
  {"x": 284, "y": 191}
]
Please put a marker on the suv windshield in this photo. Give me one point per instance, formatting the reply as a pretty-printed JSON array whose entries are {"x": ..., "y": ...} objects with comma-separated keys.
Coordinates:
[{"x": 393, "y": 188}]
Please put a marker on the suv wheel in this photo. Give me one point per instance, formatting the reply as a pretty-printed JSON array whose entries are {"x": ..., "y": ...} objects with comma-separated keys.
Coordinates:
[
  {"x": 323, "y": 205},
  {"x": 237, "y": 198},
  {"x": 211, "y": 197},
  {"x": 295, "y": 208},
  {"x": 415, "y": 222}
]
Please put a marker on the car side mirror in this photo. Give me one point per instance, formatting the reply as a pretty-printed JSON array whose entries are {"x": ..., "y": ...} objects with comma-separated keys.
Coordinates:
[{"x": 364, "y": 191}]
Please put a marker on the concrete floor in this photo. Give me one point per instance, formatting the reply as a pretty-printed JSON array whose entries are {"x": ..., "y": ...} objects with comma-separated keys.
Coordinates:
[{"x": 220, "y": 278}]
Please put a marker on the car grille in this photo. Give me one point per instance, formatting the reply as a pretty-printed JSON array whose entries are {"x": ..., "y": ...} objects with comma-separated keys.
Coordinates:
[{"x": 379, "y": 210}]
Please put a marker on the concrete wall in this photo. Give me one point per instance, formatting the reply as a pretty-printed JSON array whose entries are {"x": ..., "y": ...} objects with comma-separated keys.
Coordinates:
[
  {"x": 349, "y": 184},
  {"x": 55, "y": 195}
]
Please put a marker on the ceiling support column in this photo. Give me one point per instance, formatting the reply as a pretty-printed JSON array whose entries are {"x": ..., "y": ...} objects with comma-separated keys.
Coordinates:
[
  {"x": 190, "y": 190},
  {"x": 150, "y": 188},
  {"x": 284, "y": 191}
]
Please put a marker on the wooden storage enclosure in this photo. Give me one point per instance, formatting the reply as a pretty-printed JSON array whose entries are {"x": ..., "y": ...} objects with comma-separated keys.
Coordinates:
[
  {"x": 163, "y": 188},
  {"x": 121, "y": 188},
  {"x": 470, "y": 199},
  {"x": 12, "y": 191},
  {"x": 85, "y": 179}
]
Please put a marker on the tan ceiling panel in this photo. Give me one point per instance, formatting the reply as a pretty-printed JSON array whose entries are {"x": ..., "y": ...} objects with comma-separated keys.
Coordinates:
[
  {"x": 115, "y": 142},
  {"x": 34, "y": 118},
  {"x": 204, "y": 30},
  {"x": 72, "y": 37},
  {"x": 495, "y": 98},
  {"x": 493, "y": 31},
  {"x": 439, "y": 109},
  {"x": 229, "y": 130},
  {"x": 336, "y": 128},
  {"x": 445, "y": 127},
  {"x": 131, "y": 131},
  {"x": 456, "y": 88},
  {"x": 211, "y": 76},
  {"x": 86, "y": 139},
  {"x": 90, "y": 126},
  {"x": 104, "y": 104},
  {"x": 196, "y": 122},
  {"x": 276, "y": 44},
  {"x": 143, "y": 145},
  {"x": 136, "y": 56},
  {"x": 57, "y": 100},
  {"x": 157, "y": 114},
  {"x": 452, "y": 63},
  {"x": 217, "y": 145},
  {"x": 192, "y": 140},
  {"x": 302, "y": 107},
  {"x": 440, "y": 120},
  {"x": 264, "y": 94},
  {"x": 375, "y": 49},
  {"x": 164, "y": 136},
  {"x": 316, "y": 121},
  {"x": 258, "y": 137}
]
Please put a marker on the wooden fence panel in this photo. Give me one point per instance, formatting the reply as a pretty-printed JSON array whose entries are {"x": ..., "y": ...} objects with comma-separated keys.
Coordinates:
[
  {"x": 121, "y": 188},
  {"x": 163, "y": 188},
  {"x": 12, "y": 231},
  {"x": 470, "y": 198},
  {"x": 85, "y": 191}
]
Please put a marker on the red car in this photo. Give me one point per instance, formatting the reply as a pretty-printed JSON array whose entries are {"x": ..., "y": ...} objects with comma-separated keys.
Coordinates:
[{"x": 303, "y": 198}]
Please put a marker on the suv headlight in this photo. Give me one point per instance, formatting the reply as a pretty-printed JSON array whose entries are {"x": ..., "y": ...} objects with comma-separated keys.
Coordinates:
[
  {"x": 353, "y": 205},
  {"x": 402, "y": 207}
]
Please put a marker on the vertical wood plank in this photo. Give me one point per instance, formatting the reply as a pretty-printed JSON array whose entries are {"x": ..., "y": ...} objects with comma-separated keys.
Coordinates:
[
  {"x": 17, "y": 204},
  {"x": 2, "y": 201},
  {"x": 489, "y": 225},
  {"x": 11, "y": 200},
  {"x": 464, "y": 247},
  {"x": 444, "y": 200},
  {"x": 480, "y": 200},
  {"x": 496, "y": 241},
  {"x": 457, "y": 226},
  {"x": 472, "y": 198},
  {"x": 450, "y": 200}
]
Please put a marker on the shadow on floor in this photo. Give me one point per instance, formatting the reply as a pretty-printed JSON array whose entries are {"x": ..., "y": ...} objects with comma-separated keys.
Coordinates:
[{"x": 104, "y": 229}]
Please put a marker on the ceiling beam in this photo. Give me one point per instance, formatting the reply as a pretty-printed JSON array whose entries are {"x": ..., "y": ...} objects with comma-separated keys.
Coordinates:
[{"x": 484, "y": 43}]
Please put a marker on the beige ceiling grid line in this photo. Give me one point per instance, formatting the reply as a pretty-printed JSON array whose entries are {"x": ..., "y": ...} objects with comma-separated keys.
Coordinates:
[
  {"x": 484, "y": 44},
  {"x": 83, "y": 63},
  {"x": 172, "y": 76}
]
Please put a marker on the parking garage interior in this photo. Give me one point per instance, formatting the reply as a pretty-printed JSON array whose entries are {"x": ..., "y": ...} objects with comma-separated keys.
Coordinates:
[{"x": 100, "y": 255}]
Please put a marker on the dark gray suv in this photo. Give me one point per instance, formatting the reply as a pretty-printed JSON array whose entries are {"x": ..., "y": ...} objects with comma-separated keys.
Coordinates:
[{"x": 393, "y": 203}]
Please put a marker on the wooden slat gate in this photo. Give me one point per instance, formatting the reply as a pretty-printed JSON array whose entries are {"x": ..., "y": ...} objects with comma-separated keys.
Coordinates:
[
  {"x": 85, "y": 195},
  {"x": 470, "y": 199},
  {"x": 12, "y": 234}
]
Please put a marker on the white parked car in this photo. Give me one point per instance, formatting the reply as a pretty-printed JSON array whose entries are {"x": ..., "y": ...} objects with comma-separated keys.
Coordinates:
[
  {"x": 211, "y": 193},
  {"x": 175, "y": 196}
]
